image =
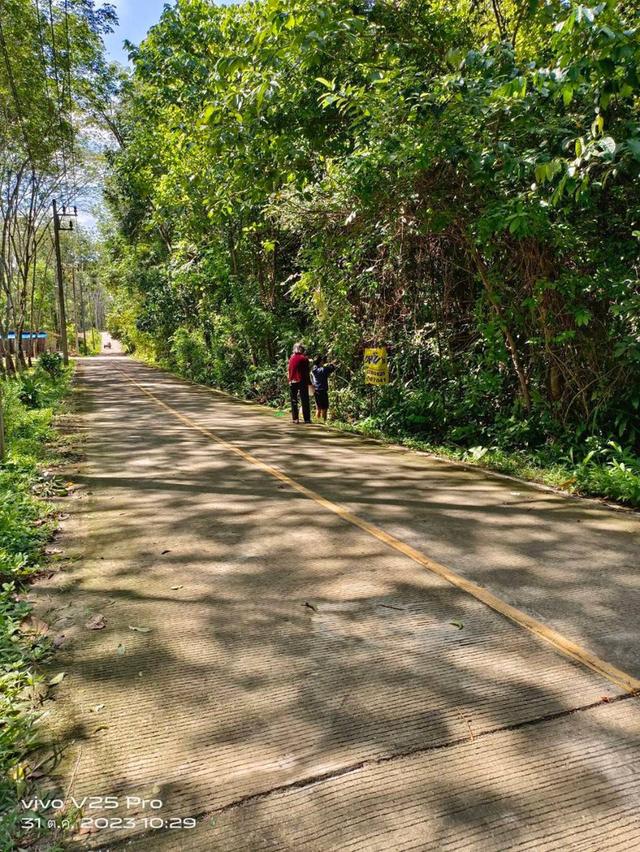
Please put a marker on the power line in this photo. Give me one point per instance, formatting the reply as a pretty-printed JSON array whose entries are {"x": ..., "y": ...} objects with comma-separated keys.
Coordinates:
[
  {"x": 40, "y": 20},
  {"x": 43, "y": 59},
  {"x": 54, "y": 61},
  {"x": 70, "y": 97}
]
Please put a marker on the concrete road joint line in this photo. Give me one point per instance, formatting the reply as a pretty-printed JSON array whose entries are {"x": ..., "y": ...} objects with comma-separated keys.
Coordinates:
[
  {"x": 340, "y": 772},
  {"x": 552, "y": 637}
]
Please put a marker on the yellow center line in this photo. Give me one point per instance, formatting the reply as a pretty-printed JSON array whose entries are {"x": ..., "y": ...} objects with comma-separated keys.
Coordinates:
[{"x": 552, "y": 637}]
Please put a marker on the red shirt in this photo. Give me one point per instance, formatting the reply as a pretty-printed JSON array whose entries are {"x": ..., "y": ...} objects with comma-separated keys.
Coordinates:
[{"x": 298, "y": 368}]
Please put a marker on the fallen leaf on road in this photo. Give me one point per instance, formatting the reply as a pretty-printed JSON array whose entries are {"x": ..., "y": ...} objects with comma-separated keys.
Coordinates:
[
  {"x": 457, "y": 624},
  {"x": 140, "y": 629},
  {"x": 18, "y": 772},
  {"x": 165, "y": 551},
  {"x": 175, "y": 588},
  {"x": 31, "y": 624},
  {"x": 120, "y": 649},
  {"x": 86, "y": 828},
  {"x": 467, "y": 722},
  {"x": 96, "y": 622},
  {"x": 56, "y": 679}
]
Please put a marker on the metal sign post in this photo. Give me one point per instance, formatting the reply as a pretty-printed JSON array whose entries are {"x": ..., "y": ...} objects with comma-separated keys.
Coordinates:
[
  {"x": 376, "y": 370},
  {"x": 376, "y": 366}
]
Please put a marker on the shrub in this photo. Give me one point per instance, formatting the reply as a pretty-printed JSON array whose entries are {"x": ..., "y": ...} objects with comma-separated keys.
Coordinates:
[
  {"x": 30, "y": 391},
  {"x": 190, "y": 355},
  {"x": 267, "y": 385},
  {"x": 51, "y": 362}
]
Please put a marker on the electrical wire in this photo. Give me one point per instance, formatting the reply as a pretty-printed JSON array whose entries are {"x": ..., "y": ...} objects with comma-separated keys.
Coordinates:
[
  {"x": 54, "y": 62},
  {"x": 74, "y": 176},
  {"x": 43, "y": 58}
]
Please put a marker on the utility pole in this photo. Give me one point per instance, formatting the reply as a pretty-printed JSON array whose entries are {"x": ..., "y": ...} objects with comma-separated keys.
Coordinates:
[
  {"x": 57, "y": 227},
  {"x": 82, "y": 320},
  {"x": 75, "y": 303}
]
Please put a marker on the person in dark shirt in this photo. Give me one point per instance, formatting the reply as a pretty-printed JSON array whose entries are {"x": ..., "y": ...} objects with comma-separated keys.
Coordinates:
[
  {"x": 320, "y": 378},
  {"x": 299, "y": 383}
]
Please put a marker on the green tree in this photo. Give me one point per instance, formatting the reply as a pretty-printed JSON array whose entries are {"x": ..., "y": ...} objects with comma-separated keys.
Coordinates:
[{"x": 461, "y": 187}]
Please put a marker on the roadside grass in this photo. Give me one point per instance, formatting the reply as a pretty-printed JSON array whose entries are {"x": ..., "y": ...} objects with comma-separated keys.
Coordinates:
[
  {"x": 608, "y": 471},
  {"x": 27, "y": 523},
  {"x": 592, "y": 467}
]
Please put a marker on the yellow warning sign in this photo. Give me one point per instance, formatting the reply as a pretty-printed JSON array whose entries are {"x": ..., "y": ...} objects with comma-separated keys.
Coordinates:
[{"x": 376, "y": 366}]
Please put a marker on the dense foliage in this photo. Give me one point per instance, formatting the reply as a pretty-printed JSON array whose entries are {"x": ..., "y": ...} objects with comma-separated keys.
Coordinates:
[{"x": 457, "y": 181}]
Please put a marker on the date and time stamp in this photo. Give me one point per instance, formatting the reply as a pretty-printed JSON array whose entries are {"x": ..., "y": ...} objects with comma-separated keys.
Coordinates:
[{"x": 89, "y": 814}]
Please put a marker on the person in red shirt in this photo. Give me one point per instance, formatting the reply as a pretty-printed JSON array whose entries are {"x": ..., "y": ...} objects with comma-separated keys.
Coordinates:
[{"x": 299, "y": 383}]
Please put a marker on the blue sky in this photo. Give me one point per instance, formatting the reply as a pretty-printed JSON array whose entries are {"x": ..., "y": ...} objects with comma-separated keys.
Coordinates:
[{"x": 136, "y": 16}]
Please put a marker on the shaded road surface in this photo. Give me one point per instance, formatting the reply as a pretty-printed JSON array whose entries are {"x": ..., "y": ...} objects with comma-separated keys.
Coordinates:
[{"x": 293, "y": 682}]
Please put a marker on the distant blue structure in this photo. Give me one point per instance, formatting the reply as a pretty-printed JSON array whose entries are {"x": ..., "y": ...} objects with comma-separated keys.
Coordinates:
[{"x": 36, "y": 345}]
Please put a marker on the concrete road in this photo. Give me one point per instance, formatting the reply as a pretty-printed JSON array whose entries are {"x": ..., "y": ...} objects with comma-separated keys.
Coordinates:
[{"x": 276, "y": 669}]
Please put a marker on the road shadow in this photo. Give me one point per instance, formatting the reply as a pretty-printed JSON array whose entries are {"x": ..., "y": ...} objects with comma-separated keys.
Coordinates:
[{"x": 256, "y": 642}]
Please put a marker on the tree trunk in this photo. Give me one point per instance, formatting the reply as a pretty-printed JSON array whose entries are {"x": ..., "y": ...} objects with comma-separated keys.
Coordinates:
[
  {"x": 22, "y": 361},
  {"x": 10, "y": 366},
  {"x": 485, "y": 277},
  {"x": 3, "y": 449}
]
